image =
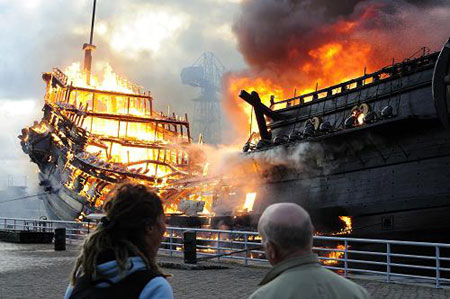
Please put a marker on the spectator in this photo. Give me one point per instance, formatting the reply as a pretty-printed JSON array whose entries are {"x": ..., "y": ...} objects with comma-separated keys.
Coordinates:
[
  {"x": 118, "y": 259},
  {"x": 287, "y": 235}
]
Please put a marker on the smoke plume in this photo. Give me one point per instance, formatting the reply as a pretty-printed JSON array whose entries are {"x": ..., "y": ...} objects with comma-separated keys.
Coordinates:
[
  {"x": 295, "y": 44},
  {"x": 281, "y": 36}
]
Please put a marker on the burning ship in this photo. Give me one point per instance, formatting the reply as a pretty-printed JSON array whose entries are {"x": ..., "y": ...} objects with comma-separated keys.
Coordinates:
[
  {"x": 89, "y": 139},
  {"x": 377, "y": 148},
  {"x": 99, "y": 131},
  {"x": 95, "y": 133}
]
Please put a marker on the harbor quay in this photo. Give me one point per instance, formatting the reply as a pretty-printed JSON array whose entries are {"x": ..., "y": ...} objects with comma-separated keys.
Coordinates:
[{"x": 37, "y": 271}]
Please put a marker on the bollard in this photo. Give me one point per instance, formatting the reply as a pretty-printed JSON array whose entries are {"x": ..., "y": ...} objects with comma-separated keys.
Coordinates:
[
  {"x": 60, "y": 239},
  {"x": 190, "y": 247}
]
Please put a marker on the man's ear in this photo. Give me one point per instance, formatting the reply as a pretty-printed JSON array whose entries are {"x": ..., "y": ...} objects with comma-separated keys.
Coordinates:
[{"x": 272, "y": 251}]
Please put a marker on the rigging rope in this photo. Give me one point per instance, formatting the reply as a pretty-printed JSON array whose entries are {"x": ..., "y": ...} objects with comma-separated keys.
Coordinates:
[{"x": 29, "y": 196}]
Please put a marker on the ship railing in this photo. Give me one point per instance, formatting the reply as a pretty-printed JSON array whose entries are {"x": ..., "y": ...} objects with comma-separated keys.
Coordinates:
[
  {"x": 377, "y": 259},
  {"x": 387, "y": 73}
]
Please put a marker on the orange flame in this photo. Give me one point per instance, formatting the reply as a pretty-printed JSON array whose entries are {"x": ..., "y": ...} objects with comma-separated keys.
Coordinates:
[
  {"x": 110, "y": 81},
  {"x": 328, "y": 63},
  {"x": 348, "y": 224},
  {"x": 243, "y": 114},
  {"x": 249, "y": 201},
  {"x": 334, "y": 256}
]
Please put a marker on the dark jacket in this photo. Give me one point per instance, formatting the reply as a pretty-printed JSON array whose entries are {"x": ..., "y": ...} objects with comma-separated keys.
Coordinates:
[{"x": 157, "y": 288}]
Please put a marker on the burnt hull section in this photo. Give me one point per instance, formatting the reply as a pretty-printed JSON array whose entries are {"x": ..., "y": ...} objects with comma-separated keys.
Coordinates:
[{"x": 60, "y": 202}]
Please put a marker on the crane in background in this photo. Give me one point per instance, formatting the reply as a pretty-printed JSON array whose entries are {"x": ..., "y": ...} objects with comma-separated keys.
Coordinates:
[{"x": 206, "y": 73}]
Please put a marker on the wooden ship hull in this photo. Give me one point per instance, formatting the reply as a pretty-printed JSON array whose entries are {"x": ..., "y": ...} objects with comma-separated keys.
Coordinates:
[{"x": 375, "y": 148}]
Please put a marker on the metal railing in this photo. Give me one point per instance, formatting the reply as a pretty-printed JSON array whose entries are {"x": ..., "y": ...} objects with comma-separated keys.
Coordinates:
[
  {"x": 75, "y": 231},
  {"x": 390, "y": 260}
]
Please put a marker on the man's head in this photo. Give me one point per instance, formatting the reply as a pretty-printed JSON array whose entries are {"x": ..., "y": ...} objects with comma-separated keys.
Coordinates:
[{"x": 286, "y": 230}]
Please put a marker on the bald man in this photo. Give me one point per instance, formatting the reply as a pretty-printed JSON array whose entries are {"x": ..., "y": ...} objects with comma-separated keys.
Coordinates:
[{"x": 287, "y": 235}]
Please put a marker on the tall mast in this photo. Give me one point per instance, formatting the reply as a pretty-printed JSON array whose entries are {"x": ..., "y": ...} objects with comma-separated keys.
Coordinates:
[
  {"x": 88, "y": 48},
  {"x": 93, "y": 23}
]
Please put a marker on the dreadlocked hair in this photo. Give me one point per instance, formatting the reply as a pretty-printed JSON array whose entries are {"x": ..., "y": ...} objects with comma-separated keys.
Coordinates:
[{"x": 130, "y": 209}]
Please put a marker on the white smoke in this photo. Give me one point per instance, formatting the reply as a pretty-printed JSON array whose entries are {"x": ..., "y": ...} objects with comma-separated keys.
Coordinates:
[
  {"x": 301, "y": 157},
  {"x": 18, "y": 176}
]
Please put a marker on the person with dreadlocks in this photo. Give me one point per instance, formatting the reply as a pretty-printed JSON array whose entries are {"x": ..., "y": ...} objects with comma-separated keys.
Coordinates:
[{"x": 118, "y": 259}]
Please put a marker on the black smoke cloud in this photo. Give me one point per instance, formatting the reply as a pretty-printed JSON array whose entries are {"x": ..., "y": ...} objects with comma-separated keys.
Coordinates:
[{"x": 276, "y": 36}]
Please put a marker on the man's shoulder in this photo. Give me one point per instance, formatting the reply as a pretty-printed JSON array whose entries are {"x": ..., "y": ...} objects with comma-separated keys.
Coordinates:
[
  {"x": 284, "y": 284},
  {"x": 265, "y": 291},
  {"x": 310, "y": 281},
  {"x": 341, "y": 284}
]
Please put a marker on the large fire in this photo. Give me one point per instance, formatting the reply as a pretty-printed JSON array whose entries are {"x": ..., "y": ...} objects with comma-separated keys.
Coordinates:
[
  {"x": 132, "y": 156},
  {"x": 329, "y": 64},
  {"x": 108, "y": 81},
  {"x": 306, "y": 56},
  {"x": 102, "y": 130}
]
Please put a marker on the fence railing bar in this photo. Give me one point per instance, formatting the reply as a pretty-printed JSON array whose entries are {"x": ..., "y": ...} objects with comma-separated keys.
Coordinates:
[
  {"x": 367, "y": 252},
  {"x": 423, "y": 257},
  {"x": 438, "y": 272},
  {"x": 412, "y": 266},
  {"x": 388, "y": 262}
]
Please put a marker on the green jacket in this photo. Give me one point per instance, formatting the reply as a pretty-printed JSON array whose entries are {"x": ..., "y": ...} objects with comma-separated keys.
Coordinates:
[{"x": 304, "y": 277}]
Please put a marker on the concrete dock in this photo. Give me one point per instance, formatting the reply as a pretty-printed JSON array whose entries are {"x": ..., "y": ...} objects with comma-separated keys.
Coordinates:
[{"x": 37, "y": 271}]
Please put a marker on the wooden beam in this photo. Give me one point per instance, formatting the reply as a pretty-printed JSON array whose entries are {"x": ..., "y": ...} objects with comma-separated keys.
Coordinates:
[{"x": 114, "y": 93}]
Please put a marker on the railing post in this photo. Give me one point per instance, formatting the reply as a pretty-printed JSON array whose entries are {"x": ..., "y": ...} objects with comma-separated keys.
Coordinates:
[
  {"x": 388, "y": 262},
  {"x": 246, "y": 249},
  {"x": 438, "y": 270},
  {"x": 14, "y": 224},
  {"x": 60, "y": 239},
  {"x": 190, "y": 247},
  {"x": 218, "y": 246},
  {"x": 171, "y": 242},
  {"x": 345, "y": 258}
]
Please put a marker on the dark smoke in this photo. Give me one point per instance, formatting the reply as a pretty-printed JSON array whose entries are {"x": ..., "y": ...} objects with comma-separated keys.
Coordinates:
[{"x": 276, "y": 36}]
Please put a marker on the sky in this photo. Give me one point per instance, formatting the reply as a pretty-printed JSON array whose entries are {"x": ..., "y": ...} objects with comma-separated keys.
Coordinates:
[{"x": 146, "y": 41}]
